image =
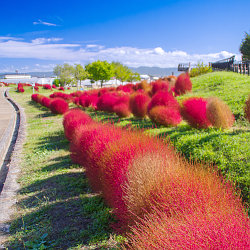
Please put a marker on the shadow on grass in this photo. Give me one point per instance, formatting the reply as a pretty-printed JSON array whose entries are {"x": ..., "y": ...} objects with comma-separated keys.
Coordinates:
[
  {"x": 55, "y": 141},
  {"x": 61, "y": 211}
]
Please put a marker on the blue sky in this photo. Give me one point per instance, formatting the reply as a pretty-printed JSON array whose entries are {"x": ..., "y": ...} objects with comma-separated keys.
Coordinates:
[{"x": 37, "y": 35}]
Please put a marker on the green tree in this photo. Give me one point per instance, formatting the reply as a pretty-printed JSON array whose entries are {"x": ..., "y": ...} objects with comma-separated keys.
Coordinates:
[
  {"x": 80, "y": 73},
  {"x": 134, "y": 77},
  {"x": 245, "y": 47},
  {"x": 57, "y": 70},
  {"x": 65, "y": 73},
  {"x": 121, "y": 72},
  {"x": 100, "y": 71}
]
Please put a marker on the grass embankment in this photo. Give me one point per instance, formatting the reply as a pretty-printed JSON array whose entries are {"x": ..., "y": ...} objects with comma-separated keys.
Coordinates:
[
  {"x": 228, "y": 149},
  {"x": 56, "y": 207}
]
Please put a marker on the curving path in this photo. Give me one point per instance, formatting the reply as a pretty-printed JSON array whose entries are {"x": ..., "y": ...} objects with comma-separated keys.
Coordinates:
[{"x": 12, "y": 133}]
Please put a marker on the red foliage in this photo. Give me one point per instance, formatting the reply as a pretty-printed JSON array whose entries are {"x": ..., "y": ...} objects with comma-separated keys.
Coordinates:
[
  {"x": 34, "y": 97},
  {"x": 36, "y": 88},
  {"x": 64, "y": 96},
  {"x": 194, "y": 111},
  {"x": 58, "y": 106},
  {"x": 20, "y": 87},
  {"x": 46, "y": 86},
  {"x": 61, "y": 88},
  {"x": 159, "y": 85},
  {"x": 163, "y": 98},
  {"x": 122, "y": 110},
  {"x": 194, "y": 231},
  {"x": 107, "y": 101},
  {"x": 165, "y": 116},
  {"x": 72, "y": 120},
  {"x": 54, "y": 86},
  {"x": 128, "y": 88},
  {"x": 183, "y": 84},
  {"x": 45, "y": 101},
  {"x": 138, "y": 104}
]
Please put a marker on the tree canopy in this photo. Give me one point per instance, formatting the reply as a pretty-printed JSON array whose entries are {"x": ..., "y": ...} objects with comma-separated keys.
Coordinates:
[
  {"x": 121, "y": 72},
  {"x": 65, "y": 72},
  {"x": 100, "y": 70},
  {"x": 80, "y": 73},
  {"x": 245, "y": 47}
]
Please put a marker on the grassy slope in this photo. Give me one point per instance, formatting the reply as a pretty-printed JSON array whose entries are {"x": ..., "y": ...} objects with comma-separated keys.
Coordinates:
[
  {"x": 56, "y": 208},
  {"x": 228, "y": 149}
]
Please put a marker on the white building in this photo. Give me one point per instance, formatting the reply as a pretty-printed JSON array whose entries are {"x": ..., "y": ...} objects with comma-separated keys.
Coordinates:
[{"x": 17, "y": 76}]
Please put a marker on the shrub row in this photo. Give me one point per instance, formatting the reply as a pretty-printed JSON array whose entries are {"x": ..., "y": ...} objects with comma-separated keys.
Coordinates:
[
  {"x": 56, "y": 105},
  {"x": 159, "y": 200}
]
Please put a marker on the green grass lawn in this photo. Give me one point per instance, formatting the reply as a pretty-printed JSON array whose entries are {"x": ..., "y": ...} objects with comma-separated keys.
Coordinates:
[{"x": 56, "y": 208}]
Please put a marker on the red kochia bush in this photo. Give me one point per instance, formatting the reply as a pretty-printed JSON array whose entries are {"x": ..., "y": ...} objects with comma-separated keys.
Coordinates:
[
  {"x": 247, "y": 109},
  {"x": 59, "y": 106},
  {"x": 183, "y": 84},
  {"x": 163, "y": 98},
  {"x": 159, "y": 85},
  {"x": 45, "y": 101},
  {"x": 193, "y": 231},
  {"x": 107, "y": 101},
  {"x": 165, "y": 116},
  {"x": 36, "y": 88},
  {"x": 138, "y": 104},
  {"x": 34, "y": 97},
  {"x": 121, "y": 106},
  {"x": 47, "y": 86},
  {"x": 72, "y": 119},
  {"x": 194, "y": 111},
  {"x": 20, "y": 87}
]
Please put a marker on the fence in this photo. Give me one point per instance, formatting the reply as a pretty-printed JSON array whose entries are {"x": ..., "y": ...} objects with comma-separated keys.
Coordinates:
[
  {"x": 241, "y": 67},
  {"x": 230, "y": 65}
]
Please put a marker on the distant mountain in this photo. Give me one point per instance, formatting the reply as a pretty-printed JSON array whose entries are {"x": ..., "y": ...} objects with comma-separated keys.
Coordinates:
[
  {"x": 33, "y": 74},
  {"x": 151, "y": 71},
  {"x": 155, "y": 71}
]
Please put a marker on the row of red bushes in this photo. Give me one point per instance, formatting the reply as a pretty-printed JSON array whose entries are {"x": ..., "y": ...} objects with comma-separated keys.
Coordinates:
[
  {"x": 158, "y": 102},
  {"x": 56, "y": 105},
  {"x": 159, "y": 200}
]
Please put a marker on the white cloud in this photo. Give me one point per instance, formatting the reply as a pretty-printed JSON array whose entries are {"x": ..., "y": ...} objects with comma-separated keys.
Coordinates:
[
  {"x": 159, "y": 51},
  {"x": 94, "y": 46},
  {"x": 42, "y": 48},
  {"x": 4, "y": 38},
  {"x": 46, "y": 40},
  {"x": 44, "y": 23}
]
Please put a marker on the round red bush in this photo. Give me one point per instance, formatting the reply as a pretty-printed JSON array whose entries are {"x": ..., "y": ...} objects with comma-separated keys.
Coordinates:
[
  {"x": 183, "y": 84},
  {"x": 194, "y": 111},
  {"x": 165, "y": 116},
  {"x": 59, "y": 106},
  {"x": 138, "y": 104},
  {"x": 45, "y": 101},
  {"x": 163, "y": 98},
  {"x": 159, "y": 85},
  {"x": 72, "y": 119}
]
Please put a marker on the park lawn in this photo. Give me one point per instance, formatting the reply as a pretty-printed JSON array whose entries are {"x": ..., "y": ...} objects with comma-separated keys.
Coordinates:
[{"x": 56, "y": 208}]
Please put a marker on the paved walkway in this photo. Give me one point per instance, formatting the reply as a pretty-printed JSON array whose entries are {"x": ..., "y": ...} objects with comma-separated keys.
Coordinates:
[
  {"x": 7, "y": 124},
  {"x": 8, "y": 186}
]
